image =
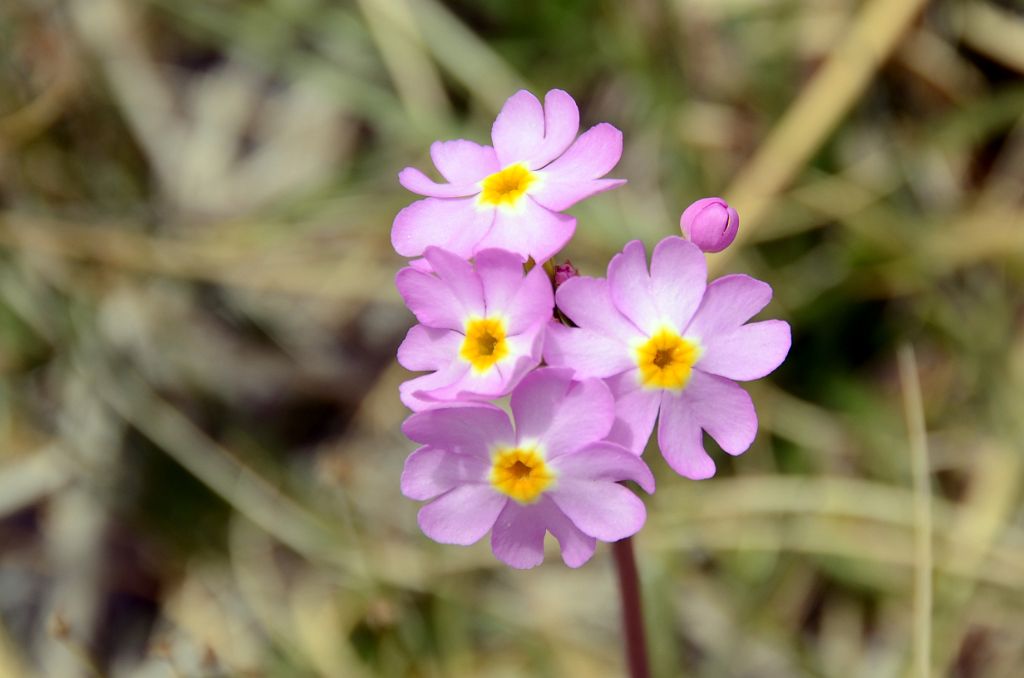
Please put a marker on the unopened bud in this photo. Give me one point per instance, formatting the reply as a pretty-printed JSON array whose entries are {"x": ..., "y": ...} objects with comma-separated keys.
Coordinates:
[
  {"x": 564, "y": 271},
  {"x": 710, "y": 223}
]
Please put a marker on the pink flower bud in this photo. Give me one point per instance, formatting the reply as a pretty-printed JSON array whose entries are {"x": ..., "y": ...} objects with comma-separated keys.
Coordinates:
[
  {"x": 564, "y": 271},
  {"x": 710, "y": 224}
]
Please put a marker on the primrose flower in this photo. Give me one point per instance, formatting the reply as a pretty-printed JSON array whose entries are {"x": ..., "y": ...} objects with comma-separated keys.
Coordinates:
[
  {"x": 481, "y": 325},
  {"x": 510, "y": 196},
  {"x": 667, "y": 342},
  {"x": 551, "y": 473}
]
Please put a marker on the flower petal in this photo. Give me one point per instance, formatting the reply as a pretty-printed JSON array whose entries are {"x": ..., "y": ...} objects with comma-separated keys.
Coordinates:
[
  {"x": 460, "y": 161},
  {"x": 636, "y": 409},
  {"x": 455, "y": 224},
  {"x": 586, "y": 352},
  {"x": 430, "y": 472},
  {"x": 416, "y": 394},
  {"x": 418, "y": 182},
  {"x": 588, "y": 303},
  {"x": 434, "y": 303},
  {"x": 577, "y": 547},
  {"x": 630, "y": 287},
  {"x": 497, "y": 382},
  {"x": 723, "y": 409},
  {"x": 561, "y": 123},
  {"x": 604, "y": 461},
  {"x": 678, "y": 277},
  {"x": 458, "y": 276},
  {"x": 428, "y": 348},
  {"x": 465, "y": 429},
  {"x": 728, "y": 302},
  {"x": 593, "y": 155},
  {"x": 748, "y": 352},
  {"x": 518, "y": 130},
  {"x": 529, "y": 342},
  {"x": 529, "y": 230},
  {"x": 561, "y": 195},
  {"x": 501, "y": 274},
  {"x": 517, "y": 538},
  {"x": 607, "y": 511},
  {"x": 463, "y": 515},
  {"x": 421, "y": 265},
  {"x": 562, "y": 414},
  {"x": 680, "y": 439},
  {"x": 523, "y": 301}
]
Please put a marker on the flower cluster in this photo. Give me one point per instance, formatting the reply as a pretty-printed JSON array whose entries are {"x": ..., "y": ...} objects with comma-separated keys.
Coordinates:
[{"x": 591, "y": 364}]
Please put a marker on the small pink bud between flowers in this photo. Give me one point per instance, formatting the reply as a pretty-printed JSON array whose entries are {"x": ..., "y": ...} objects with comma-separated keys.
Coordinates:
[
  {"x": 710, "y": 223},
  {"x": 565, "y": 271}
]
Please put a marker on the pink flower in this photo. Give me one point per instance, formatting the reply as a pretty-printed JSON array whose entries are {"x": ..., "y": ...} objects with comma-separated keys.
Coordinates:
[
  {"x": 510, "y": 196},
  {"x": 551, "y": 473},
  {"x": 667, "y": 342},
  {"x": 710, "y": 223},
  {"x": 481, "y": 326}
]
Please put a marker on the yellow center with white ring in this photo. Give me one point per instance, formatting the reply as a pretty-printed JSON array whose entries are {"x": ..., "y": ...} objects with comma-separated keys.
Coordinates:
[
  {"x": 521, "y": 473},
  {"x": 666, "y": 360},
  {"x": 507, "y": 187},
  {"x": 485, "y": 343}
]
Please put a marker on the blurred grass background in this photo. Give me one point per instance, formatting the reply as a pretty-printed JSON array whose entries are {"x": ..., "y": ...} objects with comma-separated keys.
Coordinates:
[{"x": 198, "y": 408}]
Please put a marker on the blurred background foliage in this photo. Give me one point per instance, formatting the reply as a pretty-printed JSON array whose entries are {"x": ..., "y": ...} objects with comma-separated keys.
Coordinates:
[{"x": 198, "y": 408}]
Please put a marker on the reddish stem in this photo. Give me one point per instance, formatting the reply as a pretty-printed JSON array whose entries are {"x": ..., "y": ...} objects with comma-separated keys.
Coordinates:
[{"x": 632, "y": 612}]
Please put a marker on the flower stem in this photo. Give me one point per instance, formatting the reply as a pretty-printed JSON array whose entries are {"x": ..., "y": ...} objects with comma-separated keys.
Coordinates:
[{"x": 632, "y": 612}]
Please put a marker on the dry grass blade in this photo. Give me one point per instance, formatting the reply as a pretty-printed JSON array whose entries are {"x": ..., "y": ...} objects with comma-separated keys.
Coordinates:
[
  {"x": 465, "y": 55},
  {"x": 27, "y": 481},
  {"x": 11, "y": 663},
  {"x": 224, "y": 473},
  {"x": 995, "y": 31},
  {"x": 226, "y": 263},
  {"x": 414, "y": 75},
  {"x": 923, "y": 559},
  {"x": 858, "y": 542},
  {"x": 875, "y": 32}
]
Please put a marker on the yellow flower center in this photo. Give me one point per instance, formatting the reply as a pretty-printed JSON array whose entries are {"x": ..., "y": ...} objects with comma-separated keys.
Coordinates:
[
  {"x": 484, "y": 344},
  {"x": 521, "y": 474},
  {"x": 666, "y": 360},
  {"x": 505, "y": 188}
]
